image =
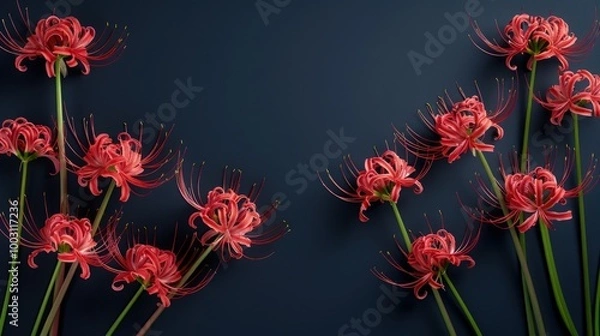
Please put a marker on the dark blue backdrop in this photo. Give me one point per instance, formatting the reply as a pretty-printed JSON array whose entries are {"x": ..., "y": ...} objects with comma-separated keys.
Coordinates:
[{"x": 267, "y": 92}]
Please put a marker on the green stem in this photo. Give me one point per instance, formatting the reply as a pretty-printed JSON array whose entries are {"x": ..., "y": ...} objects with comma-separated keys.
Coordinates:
[
  {"x": 199, "y": 261},
  {"x": 22, "y": 200},
  {"x": 15, "y": 256},
  {"x": 119, "y": 319},
  {"x": 58, "y": 300},
  {"x": 60, "y": 124},
  {"x": 444, "y": 312},
  {"x": 583, "y": 231},
  {"x": 182, "y": 282},
  {"x": 67, "y": 281},
  {"x": 436, "y": 294},
  {"x": 62, "y": 158},
  {"x": 462, "y": 304},
  {"x": 403, "y": 230},
  {"x": 524, "y": 156},
  {"x": 38, "y": 319},
  {"x": 523, "y": 166},
  {"x": 535, "y": 306},
  {"x": 555, "y": 281},
  {"x": 528, "y": 312},
  {"x": 57, "y": 284},
  {"x": 103, "y": 206},
  {"x": 525, "y": 149}
]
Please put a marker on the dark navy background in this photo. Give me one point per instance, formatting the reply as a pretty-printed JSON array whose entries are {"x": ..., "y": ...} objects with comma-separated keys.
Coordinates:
[{"x": 268, "y": 93}]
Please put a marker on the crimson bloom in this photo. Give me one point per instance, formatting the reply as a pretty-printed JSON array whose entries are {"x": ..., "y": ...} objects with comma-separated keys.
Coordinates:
[
  {"x": 61, "y": 39},
  {"x": 567, "y": 96},
  {"x": 541, "y": 38},
  {"x": 430, "y": 257},
  {"x": 67, "y": 236},
  {"x": 27, "y": 141},
  {"x": 382, "y": 179},
  {"x": 458, "y": 127},
  {"x": 536, "y": 194},
  {"x": 233, "y": 219},
  {"x": 160, "y": 271},
  {"x": 122, "y": 160}
]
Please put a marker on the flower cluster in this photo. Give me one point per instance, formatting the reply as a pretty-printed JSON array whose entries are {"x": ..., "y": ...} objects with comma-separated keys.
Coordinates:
[
  {"x": 166, "y": 273},
  {"x": 122, "y": 161},
  {"x": 232, "y": 218},
  {"x": 534, "y": 195},
  {"x": 69, "y": 237},
  {"x": 526, "y": 194},
  {"x": 566, "y": 96},
  {"x": 61, "y": 39},
  {"x": 27, "y": 141},
  {"x": 541, "y": 38},
  {"x": 430, "y": 256},
  {"x": 459, "y": 127},
  {"x": 382, "y": 179}
]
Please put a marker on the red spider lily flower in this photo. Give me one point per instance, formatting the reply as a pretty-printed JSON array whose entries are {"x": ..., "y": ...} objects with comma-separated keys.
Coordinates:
[
  {"x": 68, "y": 236},
  {"x": 382, "y": 179},
  {"x": 459, "y": 127},
  {"x": 567, "y": 96},
  {"x": 535, "y": 193},
  {"x": 123, "y": 160},
  {"x": 61, "y": 39},
  {"x": 233, "y": 220},
  {"x": 430, "y": 257},
  {"x": 516, "y": 35},
  {"x": 27, "y": 141},
  {"x": 160, "y": 271},
  {"x": 541, "y": 38}
]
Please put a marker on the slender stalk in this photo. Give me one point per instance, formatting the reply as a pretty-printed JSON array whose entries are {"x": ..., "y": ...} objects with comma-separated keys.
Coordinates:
[
  {"x": 436, "y": 294},
  {"x": 444, "y": 312},
  {"x": 38, "y": 319},
  {"x": 583, "y": 232},
  {"x": 523, "y": 166},
  {"x": 146, "y": 327},
  {"x": 462, "y": 305},
  {"x": 535, "y": 306},
  {"x": 60, "y": 124},
  {"x": 103, "y": 206},
  {"x": 15, "y": 257},
  {"x": 59, "y": 298},
  {"x": 119, "y": 319},
  {"x": 525, "y": 148},
  {"x": 24, "y": 170},
  {"x": 403, "y": 230},
  {"x": 57, "y": 284},
  {"x": 528, "y": 311},
  {"x": 555, "y": 281},
  {"x": 62, "y": 159},
  {"x": 67, "y": 281}
]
